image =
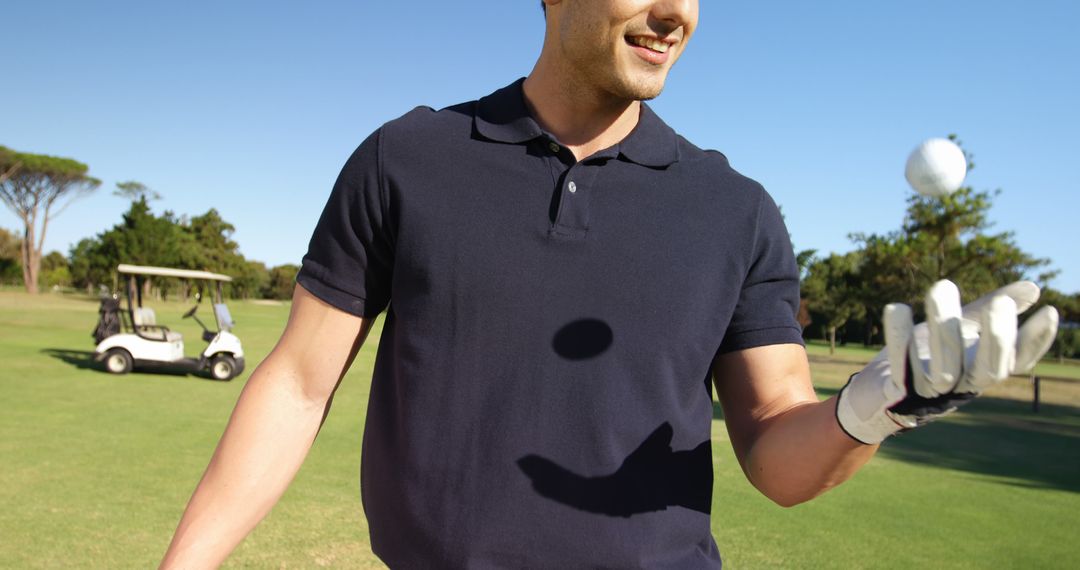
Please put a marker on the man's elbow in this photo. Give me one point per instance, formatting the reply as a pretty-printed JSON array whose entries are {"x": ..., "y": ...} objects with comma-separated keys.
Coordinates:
[
  {"x": 788, "y": 494},
  {"x": 788, "y": 500}
]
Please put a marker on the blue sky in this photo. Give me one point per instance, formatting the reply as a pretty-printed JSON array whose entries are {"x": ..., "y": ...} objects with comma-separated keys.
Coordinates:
[{"x": 252, "y": 107}]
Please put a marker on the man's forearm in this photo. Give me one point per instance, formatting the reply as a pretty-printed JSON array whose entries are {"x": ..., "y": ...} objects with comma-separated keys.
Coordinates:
[
  {"x": 802, "y": 453},
  {"x": 267, "y": 438}
]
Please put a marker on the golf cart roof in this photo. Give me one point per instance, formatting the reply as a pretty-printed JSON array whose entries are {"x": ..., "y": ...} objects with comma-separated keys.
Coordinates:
[{"x": 170, "y": 272}]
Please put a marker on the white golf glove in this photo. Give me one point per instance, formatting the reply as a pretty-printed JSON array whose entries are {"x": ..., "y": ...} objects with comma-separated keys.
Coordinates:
[{"x": 927, "y": 371}]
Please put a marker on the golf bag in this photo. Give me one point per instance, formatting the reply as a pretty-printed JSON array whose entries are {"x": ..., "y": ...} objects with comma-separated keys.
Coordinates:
[{"x": 109, "y": 319}]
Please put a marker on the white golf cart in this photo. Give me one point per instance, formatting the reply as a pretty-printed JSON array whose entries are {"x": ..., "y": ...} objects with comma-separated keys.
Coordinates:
[{"x": 132, "y": 337}]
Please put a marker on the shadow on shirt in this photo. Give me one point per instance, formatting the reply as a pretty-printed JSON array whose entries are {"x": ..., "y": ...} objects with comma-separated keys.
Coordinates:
[
  {"x": 582, "y": 339},
  {"x": 652, "y": 478}
]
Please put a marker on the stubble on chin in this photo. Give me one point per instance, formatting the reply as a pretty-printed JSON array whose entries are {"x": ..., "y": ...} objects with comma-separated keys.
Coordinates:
[
  {"x": 646, "y": 91},
  {"x": 637, "y": 88}
]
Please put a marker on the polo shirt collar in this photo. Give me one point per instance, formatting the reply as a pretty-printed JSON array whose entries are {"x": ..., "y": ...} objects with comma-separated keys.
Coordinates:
[
  {"x": 652, "y": 142},
  {"x": 502, "y": 116}
]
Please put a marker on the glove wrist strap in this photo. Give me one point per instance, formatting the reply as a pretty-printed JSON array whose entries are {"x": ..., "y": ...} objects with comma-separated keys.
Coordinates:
[{"x": 870, "y": 430}]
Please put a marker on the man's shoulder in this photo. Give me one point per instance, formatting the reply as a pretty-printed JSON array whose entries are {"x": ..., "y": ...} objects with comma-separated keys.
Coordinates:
[
  {"x": 425, "y": 125},
  {"x": 713, "y": 168}
]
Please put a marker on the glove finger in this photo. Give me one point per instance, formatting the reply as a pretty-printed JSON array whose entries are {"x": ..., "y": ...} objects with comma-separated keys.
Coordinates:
[
  {"x": 1035, "y": 338},
  {"x": 1023, "y": 293},
  {"x": 898, "y": 324},
  {"x": 995, "y": 356},
  {"x": 945, "y": 340}
]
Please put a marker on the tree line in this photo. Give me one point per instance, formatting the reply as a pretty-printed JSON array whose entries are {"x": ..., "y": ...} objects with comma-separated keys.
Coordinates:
[{"x": 143, "y": 238}]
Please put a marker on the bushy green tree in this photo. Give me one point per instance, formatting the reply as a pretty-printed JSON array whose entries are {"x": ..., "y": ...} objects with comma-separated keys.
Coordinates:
[
  {"x": 143, "y": 238},
  {"x": 10, "y": 253},
  {"x": 833, "y": 291},
  {"x": 213, "y": 236},
  {"x": 945, "y": 237},
  {"x": 55, "y": 271},
  {"x": 91, "y": 266},
  {"x": 1067, "y": 343},
  {"x": 249, "y": 280},
  {"x": 951, "y": 237},
  {"x": 942, "y": 238},
  {"x": 282, "y": 281}
]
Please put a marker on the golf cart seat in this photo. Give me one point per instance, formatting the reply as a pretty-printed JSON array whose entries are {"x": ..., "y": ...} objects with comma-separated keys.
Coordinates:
[{"x": 146, "y": 326}]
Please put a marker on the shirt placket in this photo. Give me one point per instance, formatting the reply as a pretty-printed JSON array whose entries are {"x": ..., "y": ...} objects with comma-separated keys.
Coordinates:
[{"x": 575, "y": 184}]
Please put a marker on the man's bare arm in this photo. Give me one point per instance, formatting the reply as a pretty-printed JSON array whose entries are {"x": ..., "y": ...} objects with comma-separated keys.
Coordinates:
[
  {"x": 787, "y": 441},
  {"x": 275, "y": 421}
]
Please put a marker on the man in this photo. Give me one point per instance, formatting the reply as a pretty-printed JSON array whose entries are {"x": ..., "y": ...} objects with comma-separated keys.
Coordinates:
[{"x": 566, "y": 279}]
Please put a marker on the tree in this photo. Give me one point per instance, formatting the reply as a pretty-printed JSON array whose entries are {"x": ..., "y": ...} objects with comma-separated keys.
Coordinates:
[
  {"x": 832, "y": 289},
  {"x": 887, "y": 274},
  {"x": 37, "y": 188},
  {"x": 282, "y": 282},
  {"x": 250, "y": 280},
  {"x": 133, "y": 191},
  {"x": 1067, "y": 343},
  {"x": 213, "y": 235},
  {"x": 90, "y": 265},
  {"x": 140, "y": 239},
  {"x": 55, "y": 270},
  {"x": 803, "y": 259},
  {"x": 950, "y": 236},
  {"x": 943, "y": 237},
  {"x": 8, "y": 164},
  {"x": 143, "y": 238},
  {"x": 10, "y": 253}
]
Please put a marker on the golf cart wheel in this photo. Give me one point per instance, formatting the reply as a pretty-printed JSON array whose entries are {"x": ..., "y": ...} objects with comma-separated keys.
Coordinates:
[
  {"x": 118, "y": 361},
  {"x": 223, "y": 367}
]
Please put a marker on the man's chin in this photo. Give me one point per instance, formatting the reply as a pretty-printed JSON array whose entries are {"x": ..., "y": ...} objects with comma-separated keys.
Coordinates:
[
  {"x": 645, "y": 92},
  {"x": 643, "y": 88}
]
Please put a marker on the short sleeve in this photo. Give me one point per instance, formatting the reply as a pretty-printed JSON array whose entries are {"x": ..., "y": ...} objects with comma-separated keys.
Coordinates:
[
  {"x": 350, "y": 257},
  {"x": 768, "y": 304}
]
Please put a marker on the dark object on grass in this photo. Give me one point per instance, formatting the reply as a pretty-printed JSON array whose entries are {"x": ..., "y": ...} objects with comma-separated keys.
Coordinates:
[{"x": 108, "y": 319}]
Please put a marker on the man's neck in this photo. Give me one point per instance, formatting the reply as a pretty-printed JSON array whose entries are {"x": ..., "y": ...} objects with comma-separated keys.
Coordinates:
[{"x": 581, "y": 118}]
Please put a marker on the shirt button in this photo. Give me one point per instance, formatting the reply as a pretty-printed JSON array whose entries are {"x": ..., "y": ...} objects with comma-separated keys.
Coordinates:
[
  {"x": 572, "y": 187},
  {"x": 554, "y": 148}
]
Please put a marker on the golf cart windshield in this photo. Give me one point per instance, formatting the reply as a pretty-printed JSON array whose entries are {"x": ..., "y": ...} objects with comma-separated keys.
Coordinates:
[{"x": 224, "y": 319}]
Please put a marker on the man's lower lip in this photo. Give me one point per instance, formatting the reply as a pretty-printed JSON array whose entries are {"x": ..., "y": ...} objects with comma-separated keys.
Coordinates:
[{"x": 649, "y": 55}]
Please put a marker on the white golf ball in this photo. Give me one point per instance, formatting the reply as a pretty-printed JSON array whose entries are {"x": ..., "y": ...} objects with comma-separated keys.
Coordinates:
[{"x": 936, "y": 168}]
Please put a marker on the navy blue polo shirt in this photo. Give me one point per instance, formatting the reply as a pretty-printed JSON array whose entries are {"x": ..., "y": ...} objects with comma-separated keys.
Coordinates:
[{"x": 541, "y": 395}]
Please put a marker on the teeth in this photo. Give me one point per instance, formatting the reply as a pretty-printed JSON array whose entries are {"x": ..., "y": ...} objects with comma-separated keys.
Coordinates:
[{"x": 655, "y": 45}]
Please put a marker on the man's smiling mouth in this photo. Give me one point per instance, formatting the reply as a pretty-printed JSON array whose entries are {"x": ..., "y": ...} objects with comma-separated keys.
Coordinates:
[{"x": 648, "y": 43}]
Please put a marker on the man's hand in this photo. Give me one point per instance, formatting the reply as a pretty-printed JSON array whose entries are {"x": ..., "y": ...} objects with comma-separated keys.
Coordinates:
[{"x": 927, "y": 371}]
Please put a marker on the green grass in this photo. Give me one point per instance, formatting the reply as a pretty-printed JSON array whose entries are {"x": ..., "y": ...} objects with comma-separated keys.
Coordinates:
[
  {"x": 1067, "y": 370},
  {"x": 95, "y": 469}
]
